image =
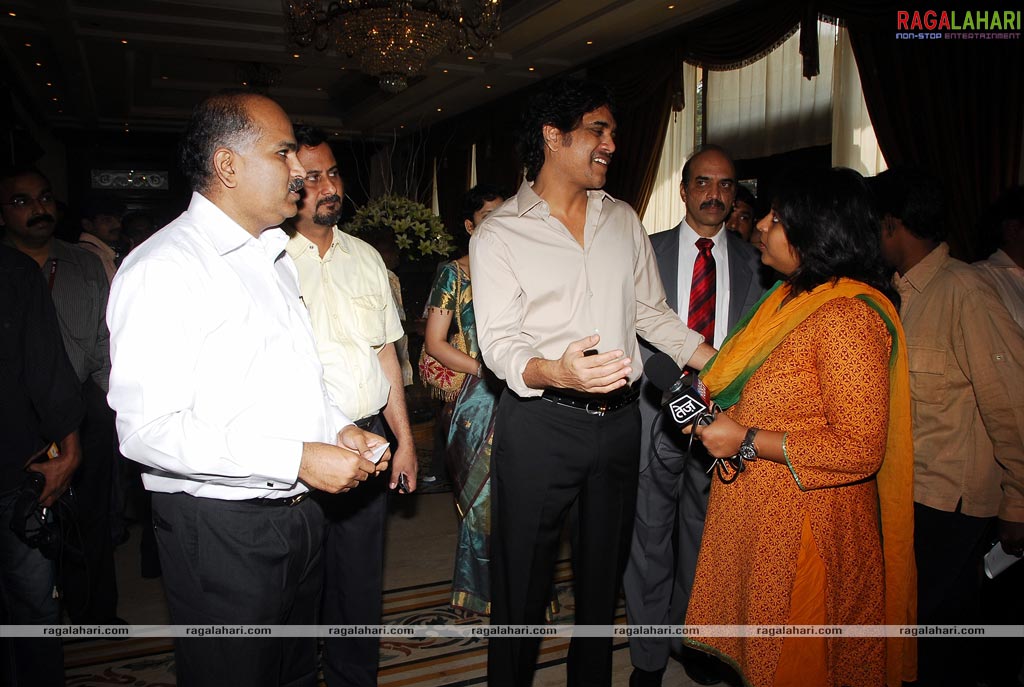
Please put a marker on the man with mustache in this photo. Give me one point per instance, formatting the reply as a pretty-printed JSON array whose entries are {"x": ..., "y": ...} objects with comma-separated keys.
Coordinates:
[
  {"x": 710, "y": 276},
  {"x": 563, "y": 281},
  {"x": 219, "y": 393},
  {"x": 345, "y": 286},
  {"x": 78, "y": 286}
]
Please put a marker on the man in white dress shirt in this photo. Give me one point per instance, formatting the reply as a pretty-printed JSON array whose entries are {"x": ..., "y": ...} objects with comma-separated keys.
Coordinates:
[{"x": 219, "y": 393}]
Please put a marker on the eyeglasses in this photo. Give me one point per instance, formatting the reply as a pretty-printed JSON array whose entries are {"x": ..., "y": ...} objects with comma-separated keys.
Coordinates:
[{"x": 23, "y": 201}]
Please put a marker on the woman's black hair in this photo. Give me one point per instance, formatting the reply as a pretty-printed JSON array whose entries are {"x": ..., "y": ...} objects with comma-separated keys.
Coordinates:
[
  {"x": 562, "y": 104},
  {"x": 830, "y": 221}
]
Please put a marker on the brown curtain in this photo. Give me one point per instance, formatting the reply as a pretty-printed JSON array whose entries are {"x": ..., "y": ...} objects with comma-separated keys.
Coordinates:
[
  {"x": 644, "y": 105},
  {"x": 953, "y": 107}
]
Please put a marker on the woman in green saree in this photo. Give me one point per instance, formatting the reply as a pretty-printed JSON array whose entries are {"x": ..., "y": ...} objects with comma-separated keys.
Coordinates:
[{"x": 472, "y": 416}]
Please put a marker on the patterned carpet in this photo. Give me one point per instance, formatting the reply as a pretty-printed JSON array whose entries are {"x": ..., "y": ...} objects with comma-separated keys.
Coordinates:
[{"x": 426, "y": 662}]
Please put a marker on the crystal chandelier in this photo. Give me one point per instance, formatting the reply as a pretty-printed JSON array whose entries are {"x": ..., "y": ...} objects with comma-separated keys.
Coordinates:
[{"x": 393, "y": 39}]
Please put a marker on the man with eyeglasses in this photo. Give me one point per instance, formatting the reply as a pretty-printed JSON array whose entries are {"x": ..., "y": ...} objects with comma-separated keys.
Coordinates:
[
  {"x": 78, "y": 286},
  {"x": 344, "y": 284}
]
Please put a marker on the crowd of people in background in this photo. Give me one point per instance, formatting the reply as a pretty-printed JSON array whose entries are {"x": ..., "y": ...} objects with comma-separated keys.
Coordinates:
[{"x": 249, "y": 362}]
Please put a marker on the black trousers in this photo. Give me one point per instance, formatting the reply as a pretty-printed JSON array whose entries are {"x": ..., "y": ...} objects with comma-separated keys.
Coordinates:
[
  {"x": 949, "y": 548},
  {"x": 354, "y": 577},
  {"x": 231, "y": 562},
  {"x": 550, "y": 462},
  {"x": 89, "y": 582}
]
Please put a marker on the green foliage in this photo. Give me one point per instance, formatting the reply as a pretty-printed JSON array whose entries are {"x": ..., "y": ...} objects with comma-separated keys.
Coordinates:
[{"x": 419, "y": 233}]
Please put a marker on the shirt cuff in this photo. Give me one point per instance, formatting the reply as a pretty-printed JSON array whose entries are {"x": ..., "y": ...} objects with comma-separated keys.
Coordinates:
[
  {"x": 516, "y": 368},
  {"x": 272, "y": 461}
]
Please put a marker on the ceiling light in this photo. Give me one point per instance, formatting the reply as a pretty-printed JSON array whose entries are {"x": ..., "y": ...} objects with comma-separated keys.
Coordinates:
[
  {"x": 39, "y": 64},
  {"x": 487, "y": 86},
  {"x": 439, "y": 109},
  {"x": 469, "y": 57},
  {"x": 49, "y": 83},
  {"x": 532, "y": 69},
  {"x": 444, "y": 71},
  {"x": 590, "y": 42},
  {"x": 13, "y": 14},
  {"x": 28, "y": 45},
  {"x": 671, "y": 7},
  {"x": 295, "y": 55},
  {"x": 124, "y": 41},
  {"x": 393, "y": 39},
  {"x": 163, "y": 78}
]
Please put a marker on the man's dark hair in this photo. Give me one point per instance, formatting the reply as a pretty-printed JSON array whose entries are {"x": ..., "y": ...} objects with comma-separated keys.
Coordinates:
[
  {"x": 102, "y": 204},
  {"x": 1009, "y": 208},
  {"x": 220, "y": 121},
  {"x": 830, "y": 222},
  {"x": 309, "y": 136},
  {"x": 697, "y": 152},
  {"x": 915, "y": 198},
  {"x": 477, "y": 196},
  {"x": 743, "y": 195},
  {"x": 13, "y": 171},
  {"x": 561, "y": 104}
]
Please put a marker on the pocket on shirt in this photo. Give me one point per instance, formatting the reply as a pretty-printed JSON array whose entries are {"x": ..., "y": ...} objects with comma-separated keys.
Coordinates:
[
  {"x": 928, "y": 382},
  {"x": 369, "y": 311}
]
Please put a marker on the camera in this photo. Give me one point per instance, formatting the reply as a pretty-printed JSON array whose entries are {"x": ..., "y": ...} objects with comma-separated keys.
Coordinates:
[{"x": 32, "y": 524}]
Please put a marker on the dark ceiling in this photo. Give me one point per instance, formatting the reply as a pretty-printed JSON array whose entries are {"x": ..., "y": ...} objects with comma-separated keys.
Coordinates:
[{"x": 141, "y": 65}]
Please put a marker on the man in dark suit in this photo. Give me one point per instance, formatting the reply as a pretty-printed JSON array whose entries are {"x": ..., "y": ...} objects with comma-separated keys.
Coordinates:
[{"x": 711, "y": 278}]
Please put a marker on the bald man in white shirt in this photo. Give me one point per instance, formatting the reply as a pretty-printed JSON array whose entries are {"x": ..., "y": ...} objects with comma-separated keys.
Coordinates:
[{"x": 219, "y": 393}]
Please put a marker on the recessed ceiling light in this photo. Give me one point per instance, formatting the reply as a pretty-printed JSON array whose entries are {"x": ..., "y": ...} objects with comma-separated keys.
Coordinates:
[
  {"x": 671, "y": 7},
  {"x": 401, "y": 126},
  {"x": 124, "y": 41},
  {"x": 28, "y": 45},
  {"x": 49, "y": 83},
  {"x": 444, "y": 71},
  {"x": 54, "y": 99},
  {"x": 532, "y": 69},
  {"x": 469, "y": 57},
  {"x": 590, "y": 42},
  {"x": 13, "y": 14},
  {"x": 295, "y": 55},
  {"x": 487, "y": 86},
  {"x": 163, "y": 78},
  {"x": 39, "y": 64},
  {"x": 245, "y": 83},
  {"x": 439, "y": 109}
]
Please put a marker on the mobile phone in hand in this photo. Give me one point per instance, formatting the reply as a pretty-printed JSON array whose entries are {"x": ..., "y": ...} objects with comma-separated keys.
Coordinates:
[{"x": 403, "y": 483}]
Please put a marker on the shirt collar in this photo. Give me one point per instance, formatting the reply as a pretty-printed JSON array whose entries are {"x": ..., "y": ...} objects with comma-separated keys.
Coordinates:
[
  {"x": 923, "y": 272},
  {"x": 1001, "y": 259},
  {"x": 226, "y": 234},
  {"x": 527, "y": 199},
  {"x": 690, "y": 235},
  {"x": 299, "y": 245}
]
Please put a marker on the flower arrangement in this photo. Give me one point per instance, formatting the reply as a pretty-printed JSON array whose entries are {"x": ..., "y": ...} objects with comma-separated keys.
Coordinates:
[{"x": 419, "y": 233}]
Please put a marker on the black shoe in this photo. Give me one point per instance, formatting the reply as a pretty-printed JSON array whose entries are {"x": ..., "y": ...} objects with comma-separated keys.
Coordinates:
[
  {"x": 701, "y": 668},
  {"x": 645, "y": 678}
]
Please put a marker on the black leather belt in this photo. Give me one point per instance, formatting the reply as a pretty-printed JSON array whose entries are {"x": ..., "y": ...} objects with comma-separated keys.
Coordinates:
[
  {"x": 365, "y": 422},
  {"x": 287, "y": 501},
  {"x": 594, "y": 404}
]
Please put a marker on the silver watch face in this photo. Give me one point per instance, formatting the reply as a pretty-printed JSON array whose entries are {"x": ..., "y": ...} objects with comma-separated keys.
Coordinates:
[{"x": 747, "y": 452}]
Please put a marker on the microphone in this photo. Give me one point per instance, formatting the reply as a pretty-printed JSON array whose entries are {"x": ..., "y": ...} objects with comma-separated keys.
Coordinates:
[{"x": 685, "y": 397}]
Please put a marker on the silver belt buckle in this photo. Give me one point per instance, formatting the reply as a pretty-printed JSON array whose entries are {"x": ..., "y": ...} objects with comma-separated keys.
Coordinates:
[{"x": 600, "y": 408}]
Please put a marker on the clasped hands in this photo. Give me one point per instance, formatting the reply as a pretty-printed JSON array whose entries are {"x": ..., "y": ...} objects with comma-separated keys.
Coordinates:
[{"x": 337, "y": 468}]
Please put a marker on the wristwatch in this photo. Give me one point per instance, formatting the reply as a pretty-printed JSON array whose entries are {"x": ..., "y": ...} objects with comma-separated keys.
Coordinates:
[{"x": 747, "y": 451}]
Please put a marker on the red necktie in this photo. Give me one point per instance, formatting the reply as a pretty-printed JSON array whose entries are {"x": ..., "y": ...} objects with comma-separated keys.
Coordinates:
[{"x": 702, "y": 292}]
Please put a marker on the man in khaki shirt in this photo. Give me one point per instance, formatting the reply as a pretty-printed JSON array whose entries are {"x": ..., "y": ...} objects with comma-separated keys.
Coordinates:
[
  {"x": 345, "y": 287},
  {"x": 563, "y": 280},
  {"x": 967, "y": 389}
]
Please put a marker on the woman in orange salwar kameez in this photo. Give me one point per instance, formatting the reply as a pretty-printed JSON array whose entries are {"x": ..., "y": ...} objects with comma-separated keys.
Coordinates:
[{"x": 815, "y": 384}]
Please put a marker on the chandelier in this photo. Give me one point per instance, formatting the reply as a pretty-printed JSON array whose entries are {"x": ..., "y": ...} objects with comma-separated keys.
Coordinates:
[{"x": 392, "y": 39}]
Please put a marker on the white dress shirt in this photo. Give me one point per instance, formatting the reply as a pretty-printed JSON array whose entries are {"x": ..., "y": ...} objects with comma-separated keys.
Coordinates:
[
  {"x": 215, "y": 377},
  {"x": 354, "y": 316},
  {"x": 687, "y": 256},
  {"x": 536, "y": 289},
  {"x": 1007, "y": 278}
]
